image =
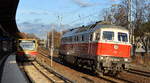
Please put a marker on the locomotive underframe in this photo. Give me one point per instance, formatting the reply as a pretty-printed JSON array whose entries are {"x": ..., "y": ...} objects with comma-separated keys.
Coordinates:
[
  {"x": 109, "y": 64},
  {"x": 104, "y": 64}
]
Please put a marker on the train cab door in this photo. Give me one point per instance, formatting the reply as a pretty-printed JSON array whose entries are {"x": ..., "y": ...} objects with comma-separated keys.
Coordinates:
[{"x": 92, "y": 44}]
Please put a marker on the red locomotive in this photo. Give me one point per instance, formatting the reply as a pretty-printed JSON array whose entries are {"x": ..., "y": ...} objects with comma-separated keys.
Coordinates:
[{"x": 103, "y": 48}]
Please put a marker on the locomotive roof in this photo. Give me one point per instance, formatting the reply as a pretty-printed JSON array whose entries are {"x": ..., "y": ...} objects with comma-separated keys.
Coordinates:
[{"x": 90, "y": 28}]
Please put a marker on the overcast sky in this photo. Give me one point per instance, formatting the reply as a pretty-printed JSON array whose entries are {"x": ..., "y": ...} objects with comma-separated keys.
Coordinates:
[{"x": 40, "y": 14}]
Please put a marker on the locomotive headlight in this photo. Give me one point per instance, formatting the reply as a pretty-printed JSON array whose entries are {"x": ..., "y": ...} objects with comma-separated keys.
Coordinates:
[
  {"x": 126, "y": 59},
  {"x": 68, "y": 53},
  {"x": 101, "y": 57}
]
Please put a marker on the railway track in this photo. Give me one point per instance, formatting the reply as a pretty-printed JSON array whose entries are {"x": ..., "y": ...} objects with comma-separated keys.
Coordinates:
[
  {"x": 52, "y": 75},
  {"x": 133, "y": 77},
  {"x": 139, "y": 72},
  {"x": 47, "y": 74},
  {"x": 115, "y": 79}
]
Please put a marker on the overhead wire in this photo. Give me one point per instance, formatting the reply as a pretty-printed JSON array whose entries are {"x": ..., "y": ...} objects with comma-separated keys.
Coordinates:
[{"x": 85, "y": 17}]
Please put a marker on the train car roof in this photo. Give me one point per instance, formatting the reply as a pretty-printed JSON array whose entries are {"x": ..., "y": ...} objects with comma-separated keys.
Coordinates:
[{"x": 90, "y": 28}]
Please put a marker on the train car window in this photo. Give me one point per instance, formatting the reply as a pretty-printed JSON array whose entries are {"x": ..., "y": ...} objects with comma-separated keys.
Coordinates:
[
  {"x": 97, "y": 36},
  {"x": 91, "y": 37},
  {"x": 82, "y": 37},
  {"x": 33, "y": 41},
  {"x": 122, "y": 37},
  {"x": 108, "y": 35},
  {"x": 67, "y": 39},
  {"x": 70, "y": 39},
  {"x": 74, "y": 38},
  {"x": 77, "y": 38},
  {"x": 87, "y": 37},
  {"x": 19, "y": 41}
]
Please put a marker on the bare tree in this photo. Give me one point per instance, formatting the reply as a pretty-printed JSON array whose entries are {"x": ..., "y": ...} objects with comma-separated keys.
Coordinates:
[
  {"x": 107, "y": 15},
  {"x": 140, "y": 18},
  {"x": 56, "y": 38}
]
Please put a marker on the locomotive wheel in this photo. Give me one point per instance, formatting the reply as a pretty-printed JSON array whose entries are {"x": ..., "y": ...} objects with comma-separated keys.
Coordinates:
[
  {"x": 99, "y": 74},
  {"x": 113, "y": 73},
  {"x": 106, "y": 72},
  {"x": 93, "y": 67},
  {"x": 77, "y": 62},
  {"x": 61, "y": 58}
]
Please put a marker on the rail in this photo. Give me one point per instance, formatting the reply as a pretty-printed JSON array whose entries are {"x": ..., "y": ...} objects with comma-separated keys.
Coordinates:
[{"x": 54, "y": 71}]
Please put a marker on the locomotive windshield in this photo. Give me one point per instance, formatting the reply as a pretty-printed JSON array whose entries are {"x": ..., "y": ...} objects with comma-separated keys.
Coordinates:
[
  {"x": 108, "y": 35},
  {"x": 27, "y": 45},
  {"x": 122, "y": 37}
]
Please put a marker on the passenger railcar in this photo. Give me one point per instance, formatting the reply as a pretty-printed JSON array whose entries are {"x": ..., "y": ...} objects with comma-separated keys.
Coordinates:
[
  {"x": 27, "y": 49},
  {"x": 103, "y": 48}
]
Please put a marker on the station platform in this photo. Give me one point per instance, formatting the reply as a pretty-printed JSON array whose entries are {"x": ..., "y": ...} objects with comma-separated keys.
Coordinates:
[{"x": 11, "y": 72}]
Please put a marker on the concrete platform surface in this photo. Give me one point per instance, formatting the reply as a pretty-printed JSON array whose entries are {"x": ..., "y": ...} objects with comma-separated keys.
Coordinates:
[{"x": 11, "y": 72}]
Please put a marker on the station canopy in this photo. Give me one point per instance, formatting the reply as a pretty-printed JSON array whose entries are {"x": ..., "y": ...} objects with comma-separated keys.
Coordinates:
[{"x": 8, "y": 25}]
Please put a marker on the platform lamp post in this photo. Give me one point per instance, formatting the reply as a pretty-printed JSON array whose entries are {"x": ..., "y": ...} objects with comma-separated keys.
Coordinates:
[
  {"x": 52, "y": 44},
  {"x": 130, "y": 27},
  {"x": 60, "y": 25},
  {"x": 112, "y": 11},
  {"x": 51, "y": 48}
]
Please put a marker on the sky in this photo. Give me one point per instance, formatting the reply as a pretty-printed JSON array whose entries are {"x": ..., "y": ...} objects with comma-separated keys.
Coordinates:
[{"x": 37, "y": 16}]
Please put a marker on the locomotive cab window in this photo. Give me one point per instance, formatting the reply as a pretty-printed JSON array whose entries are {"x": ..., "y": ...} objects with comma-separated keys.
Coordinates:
[
  {"x": 122, "y": 37},
  {"x": 108, "y": 35}
]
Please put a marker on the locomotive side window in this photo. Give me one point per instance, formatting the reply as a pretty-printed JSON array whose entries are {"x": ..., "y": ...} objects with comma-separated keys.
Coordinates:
[
  {"x": 77, "y": 38},
  {"x": 82, "y": 37},
  {"x": 74, "y": 38},
  {"x": 86, "y": 37},
  {"x": 108, "y": 35},
  {"x": 91, "y": 37},
  {"x": 122, "y": 37},
  {"x": 70, "y": 39}
]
